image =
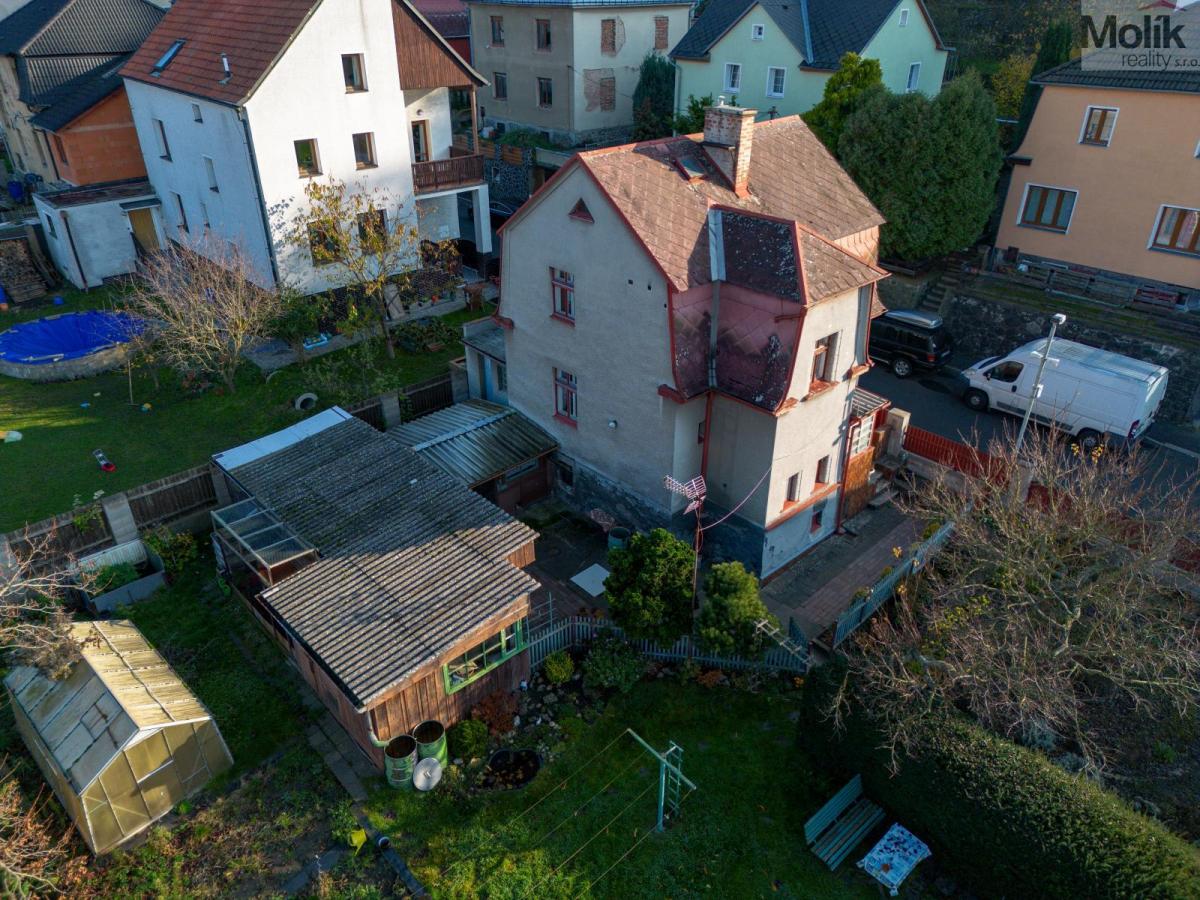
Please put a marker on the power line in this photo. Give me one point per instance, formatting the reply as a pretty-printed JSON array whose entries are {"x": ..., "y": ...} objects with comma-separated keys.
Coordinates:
[
  {"x": 649, "y": 831},
  {"x": 600, "y": 831},
  {"x": 574, "y": 813}
]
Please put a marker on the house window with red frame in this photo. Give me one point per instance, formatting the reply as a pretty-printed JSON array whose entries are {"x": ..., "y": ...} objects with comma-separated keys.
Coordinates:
[
  {"x": 818, "y": 517},
  {"x": 562, "y": 293},
  {"x": 565, "y": 399}
]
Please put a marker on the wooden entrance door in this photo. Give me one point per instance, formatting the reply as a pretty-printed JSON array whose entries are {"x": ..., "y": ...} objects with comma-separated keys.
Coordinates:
[{"x": 142, "y": 222}]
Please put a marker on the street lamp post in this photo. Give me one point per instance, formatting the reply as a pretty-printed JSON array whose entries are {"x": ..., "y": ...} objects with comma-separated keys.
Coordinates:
[{"x": 1055, "y": 320}]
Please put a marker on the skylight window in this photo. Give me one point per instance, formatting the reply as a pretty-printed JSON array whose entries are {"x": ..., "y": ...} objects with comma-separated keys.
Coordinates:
[{"x": 165, "y": 59}]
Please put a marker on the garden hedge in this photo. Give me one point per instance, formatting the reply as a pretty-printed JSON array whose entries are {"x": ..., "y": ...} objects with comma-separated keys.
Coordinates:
[{"x": 1003, "y": 817}]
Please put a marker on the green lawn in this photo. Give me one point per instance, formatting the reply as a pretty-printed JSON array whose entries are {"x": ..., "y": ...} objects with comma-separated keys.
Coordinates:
[
  {"x": 53, "y": 464},
  {"x": 741, "y": 834}
]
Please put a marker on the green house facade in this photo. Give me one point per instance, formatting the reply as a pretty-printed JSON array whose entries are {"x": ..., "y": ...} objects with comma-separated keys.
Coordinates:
[{"x": 776, "y": 55}]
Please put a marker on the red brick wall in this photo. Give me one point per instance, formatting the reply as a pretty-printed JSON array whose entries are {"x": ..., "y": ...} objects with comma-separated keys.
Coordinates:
[{"x": 101, "y": 145}]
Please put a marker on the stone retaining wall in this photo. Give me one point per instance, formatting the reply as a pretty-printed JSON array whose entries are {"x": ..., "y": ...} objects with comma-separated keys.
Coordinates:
[{"x": 69, "y": 369}]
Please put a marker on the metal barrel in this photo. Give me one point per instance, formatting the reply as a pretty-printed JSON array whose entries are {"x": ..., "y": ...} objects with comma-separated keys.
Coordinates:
[
  {"x": 431, "y": 741},
  {"x": 618, "y": 538},
  {"x": 399, "y": 759}
]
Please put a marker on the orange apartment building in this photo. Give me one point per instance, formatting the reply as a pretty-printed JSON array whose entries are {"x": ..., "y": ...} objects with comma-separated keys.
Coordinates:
[{"x": 1106, "y": 182}]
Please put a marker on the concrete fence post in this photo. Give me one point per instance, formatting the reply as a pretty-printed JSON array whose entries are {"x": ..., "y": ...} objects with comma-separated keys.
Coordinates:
[
  {"x": 897, "y": 425},
  {"x": 391, "y": 409},
  {"x": 220, "y": 487}
]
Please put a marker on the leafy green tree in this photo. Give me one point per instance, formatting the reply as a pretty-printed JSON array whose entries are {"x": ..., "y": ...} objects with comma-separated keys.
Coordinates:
[
  {"x": 299, "y": 318},
  {"x": 1009, "y": 82},
  {"x": 653, "y": 98},
  {"x": 845, "y": 91},
  {"x": 930, "y": 166},
  {"x": 650, "y": 587},
  {"x": 1054, "y": 50},
  {"x": 691, "y": 120},
  {"x": 731, "y": 612}
]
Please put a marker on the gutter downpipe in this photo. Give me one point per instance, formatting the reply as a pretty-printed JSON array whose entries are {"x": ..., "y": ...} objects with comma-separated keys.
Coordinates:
[
  {"x": 262, "y": 203},
  {"x": 74, "y": 253}
]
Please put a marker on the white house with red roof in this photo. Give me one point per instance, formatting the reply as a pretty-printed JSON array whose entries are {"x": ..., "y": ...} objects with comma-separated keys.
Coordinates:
[
  {"x": 237, "y": 106},
  {"x": 693, "y": 306}
]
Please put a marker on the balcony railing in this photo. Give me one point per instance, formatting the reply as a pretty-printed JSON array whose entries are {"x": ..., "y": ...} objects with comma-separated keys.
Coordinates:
[{"x": 443, "y": 174}]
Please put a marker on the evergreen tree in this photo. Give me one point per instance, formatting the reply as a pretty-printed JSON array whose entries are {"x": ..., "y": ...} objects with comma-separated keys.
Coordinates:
[
  {"x": 929, "y": 166},
  {"x": 654, "y": 98},
  {"x": 728, "y": 623},
  {"x": 691, "y": 120},
  {"x": 649, "y": 587},
  {"x": 845, "y": 91},
  {"x": 1054, "y": 50}
]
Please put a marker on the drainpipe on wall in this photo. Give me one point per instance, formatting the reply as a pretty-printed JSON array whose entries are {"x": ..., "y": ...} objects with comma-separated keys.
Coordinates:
[
  {"x": 74, "y": 252},
  {"x": 262, "y": 202}
]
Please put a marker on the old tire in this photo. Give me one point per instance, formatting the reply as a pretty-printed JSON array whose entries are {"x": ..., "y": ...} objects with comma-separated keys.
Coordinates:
[
  {"x": 1088, "y": 440},
  {"x": 902, "y": 367},
  {"x": 976, "y": 400}
]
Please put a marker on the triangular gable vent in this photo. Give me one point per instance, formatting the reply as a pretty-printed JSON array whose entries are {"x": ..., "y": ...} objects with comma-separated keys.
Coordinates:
[{"x": 581, "y": 212}]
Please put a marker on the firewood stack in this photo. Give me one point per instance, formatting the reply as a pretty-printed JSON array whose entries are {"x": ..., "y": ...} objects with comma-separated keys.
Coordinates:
[{"x": 18, "y": 276}]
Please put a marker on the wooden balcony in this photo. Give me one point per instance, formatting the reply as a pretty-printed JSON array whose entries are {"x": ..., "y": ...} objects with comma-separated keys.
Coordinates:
[{"x": 446, "y": 174}]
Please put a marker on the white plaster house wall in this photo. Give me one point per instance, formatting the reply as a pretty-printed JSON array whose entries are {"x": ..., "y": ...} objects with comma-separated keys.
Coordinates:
[
  {"x": 102, "y": 237},
  {"x": 234, "y": 212},
  {"x": 280, "y": 113},
  {"x": 618, "y": 349}
]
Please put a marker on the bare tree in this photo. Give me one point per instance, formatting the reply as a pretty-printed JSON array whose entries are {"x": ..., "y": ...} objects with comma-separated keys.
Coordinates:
[
  {"x": 1047, "y": 615},
  {"x": 35, "y": 626},
  {"x": 205, "y": 308},
  {"x": 34, "y": 858},
  {"x": 369, "y": 239}
]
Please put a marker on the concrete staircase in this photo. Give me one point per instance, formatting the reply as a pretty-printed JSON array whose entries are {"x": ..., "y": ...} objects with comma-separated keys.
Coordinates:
[{"x": 943, "y": 288}]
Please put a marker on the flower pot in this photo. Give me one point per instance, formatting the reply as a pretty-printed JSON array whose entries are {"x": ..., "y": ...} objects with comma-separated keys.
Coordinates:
[{"x": 618, "y": 538}]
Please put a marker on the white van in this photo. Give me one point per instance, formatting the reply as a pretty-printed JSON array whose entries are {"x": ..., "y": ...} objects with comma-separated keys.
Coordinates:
[{"x": 1094, "y": 395}]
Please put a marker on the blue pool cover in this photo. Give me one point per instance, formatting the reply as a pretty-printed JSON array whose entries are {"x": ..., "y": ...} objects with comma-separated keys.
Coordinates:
[{"x": 68, "y": 336}]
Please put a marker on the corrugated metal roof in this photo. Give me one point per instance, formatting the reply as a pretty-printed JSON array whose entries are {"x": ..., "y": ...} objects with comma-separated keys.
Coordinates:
[
  {"x": 487, "y": 337},
  {"x": 69, "y": 100},
  {"x": 475, "y": 441},
  {"x": 412, "y": 559},
  {"x": 120, "y": 688}
]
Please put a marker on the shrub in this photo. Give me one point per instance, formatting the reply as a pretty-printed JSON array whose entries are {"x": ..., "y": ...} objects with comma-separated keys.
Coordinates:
[
  {"x": 650, "y": 588},
  {"x": 572, "y": 727},
  {"x": 342, "y": 823},
  {"x": 109, "y": 578},
  {"x": 689, "y": 670},
  {"x": 558, "y": 667},
  {"x": 1035, "y": 830},
  {"x": 177, "y": 550},
  {"x": 468, "y": 739},
  {"x": 497, "y": 712},
  {"x": 728, "y": 623},
  {"x": 612, "y": 664},
  {"x": 711, "y": 678}
]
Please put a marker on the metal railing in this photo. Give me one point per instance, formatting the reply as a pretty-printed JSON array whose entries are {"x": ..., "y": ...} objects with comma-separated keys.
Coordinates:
[{"x": 858, "y": 613}]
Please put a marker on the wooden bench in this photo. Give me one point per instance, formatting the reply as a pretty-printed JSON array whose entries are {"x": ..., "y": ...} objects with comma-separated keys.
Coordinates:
[{"x": 841, "y": 824}]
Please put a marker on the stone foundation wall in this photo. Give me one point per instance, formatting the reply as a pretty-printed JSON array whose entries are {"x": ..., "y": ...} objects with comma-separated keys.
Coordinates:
[{"x": 984, "y": 328}]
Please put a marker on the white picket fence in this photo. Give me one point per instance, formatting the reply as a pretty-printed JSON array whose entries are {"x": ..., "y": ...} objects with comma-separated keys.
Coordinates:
[{"x": 577, "y": 630}]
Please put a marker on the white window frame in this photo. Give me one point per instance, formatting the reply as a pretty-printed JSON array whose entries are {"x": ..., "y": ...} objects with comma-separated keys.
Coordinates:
[
  {"x": 771, "y": 70},
  {"x": 904, "y": 17},
  {"x": 728, "y": 88},
  {"x": 1050, "y": 187},
  {"x": 758, "y": 32},
  {"x": 1087, "y": 114},
  {"x": 913, "y": 84},
  {"x": 1162, "y": 211}
]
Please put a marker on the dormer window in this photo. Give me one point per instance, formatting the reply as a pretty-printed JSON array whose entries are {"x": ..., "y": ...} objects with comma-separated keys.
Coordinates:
[{"x": 165, "y": 59}]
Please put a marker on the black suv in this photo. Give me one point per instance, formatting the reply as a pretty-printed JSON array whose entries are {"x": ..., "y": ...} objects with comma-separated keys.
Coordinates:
[{"x": 907, "y": 339}]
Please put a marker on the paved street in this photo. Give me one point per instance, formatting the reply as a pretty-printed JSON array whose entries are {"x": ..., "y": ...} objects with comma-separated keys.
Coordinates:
[{"x": 935, "y": 404}]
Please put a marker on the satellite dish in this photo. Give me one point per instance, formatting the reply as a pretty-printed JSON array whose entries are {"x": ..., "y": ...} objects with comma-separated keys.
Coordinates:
[{"x": 427, "y": 774}]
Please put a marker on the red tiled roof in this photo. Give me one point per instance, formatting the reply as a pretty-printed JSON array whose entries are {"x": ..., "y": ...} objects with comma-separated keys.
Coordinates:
[
  {"x": 792, "y": 176},
  {"x": 830, "y": 270},
  {"x": 252, "y": 34}
]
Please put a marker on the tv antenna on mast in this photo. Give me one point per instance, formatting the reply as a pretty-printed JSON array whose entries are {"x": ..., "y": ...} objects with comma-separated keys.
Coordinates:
[{"x": 695, "y": 491}]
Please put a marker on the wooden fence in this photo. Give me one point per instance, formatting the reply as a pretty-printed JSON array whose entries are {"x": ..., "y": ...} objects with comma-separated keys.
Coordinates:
[
  {"x": 577, "y": 630},
  {"x": 172, "y": 497},
  {"x": 429, "y": 396}
]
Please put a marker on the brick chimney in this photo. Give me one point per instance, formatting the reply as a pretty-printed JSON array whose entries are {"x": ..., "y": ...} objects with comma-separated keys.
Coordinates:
[{"x": 728, "y": 140}]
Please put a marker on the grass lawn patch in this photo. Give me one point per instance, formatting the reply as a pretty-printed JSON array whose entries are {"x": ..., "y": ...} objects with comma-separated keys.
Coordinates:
[
  {"x": 52, "y": 466},
  {"x": 741, "y": 834},
  {"x": 219, "y": 651}
]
